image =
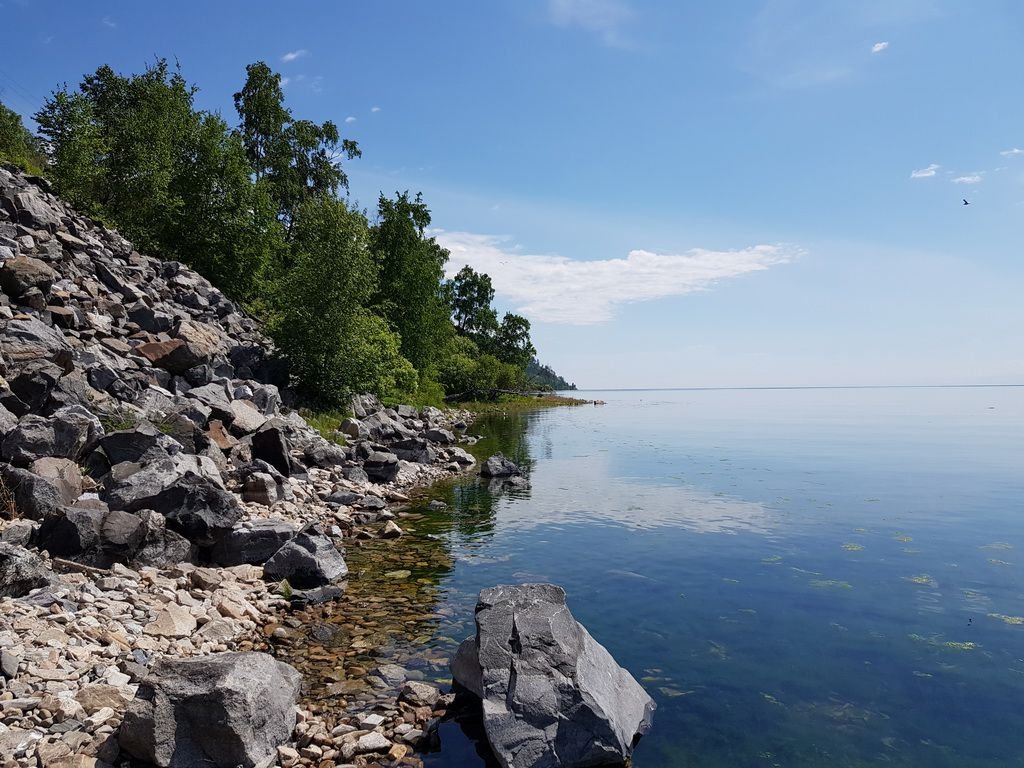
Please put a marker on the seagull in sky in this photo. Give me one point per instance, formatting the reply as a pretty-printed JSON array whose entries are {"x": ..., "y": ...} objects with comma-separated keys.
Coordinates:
[{"x": 965, "y": 202}]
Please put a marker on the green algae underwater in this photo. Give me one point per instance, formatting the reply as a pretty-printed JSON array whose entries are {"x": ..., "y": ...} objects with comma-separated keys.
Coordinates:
[{"x": 798, "y": 577}]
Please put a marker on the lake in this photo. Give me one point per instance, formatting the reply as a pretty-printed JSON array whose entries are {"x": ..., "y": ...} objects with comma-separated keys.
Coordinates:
[{"x": 798, "y": 577}]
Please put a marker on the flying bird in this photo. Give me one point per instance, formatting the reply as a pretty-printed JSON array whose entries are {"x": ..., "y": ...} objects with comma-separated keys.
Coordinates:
[{"x": 965, "y": 202}]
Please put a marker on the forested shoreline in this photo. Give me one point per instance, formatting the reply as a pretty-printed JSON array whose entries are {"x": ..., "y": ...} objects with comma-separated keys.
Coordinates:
[{"x": 356, "y": 301}]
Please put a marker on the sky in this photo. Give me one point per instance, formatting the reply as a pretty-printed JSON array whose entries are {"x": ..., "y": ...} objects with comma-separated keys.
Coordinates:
[{"x": 676, "y": 194}]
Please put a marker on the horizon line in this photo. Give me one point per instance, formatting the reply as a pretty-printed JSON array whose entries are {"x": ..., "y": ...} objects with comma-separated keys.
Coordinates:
[{"x": 793, "y": 386}]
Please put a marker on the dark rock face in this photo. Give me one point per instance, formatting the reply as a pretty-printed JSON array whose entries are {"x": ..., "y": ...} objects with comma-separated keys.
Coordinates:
[
  {"x": 309, "y": 560},
  {"x": 226, "y": 710},
  {"x": 253, "y": 543},
  {"x": 66, "y": 435},
  {"x": 498, "y": 466},
  {"x": 381, "y": 466},
  {"x": 271, "y": 445},
  {"x": 552, "y": 696},
  {"x": 35, "y": 497},
  {"x": 22, "y": 571}
]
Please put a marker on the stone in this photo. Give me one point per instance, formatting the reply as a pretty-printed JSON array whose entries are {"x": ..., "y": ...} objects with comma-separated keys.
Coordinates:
[
  {"x": 173, "y": 621},
  {"x": 253, "y": 542},
  {"x": 171, "y": 355},
  {"x": 64, "y": 474},
  {"x": 25, "y": 340},
  {"x": 214, "y": 397},
  {"x": 552, "y": 696},
  {"x": 21, "y": 571},
  {"x": 224, "y": 710},
  {"x": 308, "y": 560},
  {"x": 439, "y": 435},
  {"x": 391, "y": 530},
  {"x": 324, "y": 454},
  {"x": 160, "y": 546},
  {"x": 414, "y": 449},
  {"x": 270, "y": 444},
  {"x": 247, "y": 419},
  {"x": 261, "y": 488},
  {"x": 133, "y": 444},
  {"x": 498, "y": 466},
  {"x": 381, "y": 466},
  {"x": 372, "y": 742},
  {"x": 419, "y": 694},
  {"x": 194, "y": 505},
  {"x": 34, "y": 497},
  {"x": 72, "y": 533},
  {"x": 9, "y": 664},
  {"x": 203, "y": 342},
  {"x": 149, "y": 319},
  {"x": 65, "y": 434},
  {"x": 93, "y": 698},
  {"x": 23, "y": 273}
]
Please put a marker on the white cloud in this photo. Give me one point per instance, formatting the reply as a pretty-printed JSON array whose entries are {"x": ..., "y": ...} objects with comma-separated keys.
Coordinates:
[
  {"x": 109, "y": 22},
  {"x": 1012, "y": 152},
  {"x": 293, "y": 55},
  {"x": 973, "y": 178},
  {"x": 605, "y": 18},
  {"x": 925, "y": 173},
  {"x": 879, "y": 47},
  {"x": 285, "y": 81},
  {"x": 317, "y": 84},
  {"x": 556, "y": 289},
  {"x": 350, "y": 119},
  {"x": 375, "y": 109}
]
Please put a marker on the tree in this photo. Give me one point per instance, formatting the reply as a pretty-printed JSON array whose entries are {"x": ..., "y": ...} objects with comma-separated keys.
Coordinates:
[
  {"x": 334, "y": 345},
  {"x": 17, "y": 145},
  {"x": 512, "y": 343},
  {"x": 75, "y": 147},
  {"x": 297, "y": 158},
  {"x": 411, "y": 266},
  {"x": 471, "y": 294}
]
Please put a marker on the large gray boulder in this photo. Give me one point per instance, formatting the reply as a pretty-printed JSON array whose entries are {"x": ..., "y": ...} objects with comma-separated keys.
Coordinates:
[
  {"x": 252, "y": 542},
  {"x": 552, "y": 695},
  {"x": 22, "y": 571},
  {"x": 308, "y": 560},
  {"x": 226, "y": 710},
  {"x": 66, "y": 434},
  {"x": 498, "y": 466}
]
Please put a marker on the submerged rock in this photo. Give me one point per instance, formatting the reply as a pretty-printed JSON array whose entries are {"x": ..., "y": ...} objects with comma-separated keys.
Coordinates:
[
  {"x": 552, "y": 695},
  {"x": 226, "y": 710}
]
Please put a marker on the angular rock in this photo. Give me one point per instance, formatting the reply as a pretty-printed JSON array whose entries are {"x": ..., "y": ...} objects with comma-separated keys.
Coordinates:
[
  {"x": 552, "y": 696},
  {"x": 172, "y": 621},
  {"x": 414, "y": 449},
  {"x": 247, "y": 419},
  {"x": 23, "y": 273},
  {"x": 271, "y": 445},
  {"x": 34, "y": 497},
  {"x": 22, "y": 571},
  {"x": 65, "y": 434},
  {"x": 381, "y": 466},
  {"x": 26, "y": 339},
  {"x": 160, "y": 546},
  {"x": 261, "y": 488},
  {"x": 224, "y": 711},
  {"x": 72, "y": 533},
  {"x": 308, "y": 560},
  {"x": 498, "y": 466},
  {"x": 324, "y": 454}
]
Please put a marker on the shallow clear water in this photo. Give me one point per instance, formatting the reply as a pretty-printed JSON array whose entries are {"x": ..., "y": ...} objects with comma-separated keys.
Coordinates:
[{"x": 798, "y": 577}]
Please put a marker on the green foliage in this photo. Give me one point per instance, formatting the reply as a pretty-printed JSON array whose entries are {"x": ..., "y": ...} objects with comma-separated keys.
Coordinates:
[
  {"x": 544, "y": 377},
  {"x": 256, "y": 209},
  {"x": 17, "y": 145},
  {"x": 327, "y": 423},
  {"x": 409, "y": 293}
]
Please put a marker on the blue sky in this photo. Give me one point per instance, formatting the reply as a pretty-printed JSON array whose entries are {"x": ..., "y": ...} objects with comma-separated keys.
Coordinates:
[{"x": 676, "y": 194}]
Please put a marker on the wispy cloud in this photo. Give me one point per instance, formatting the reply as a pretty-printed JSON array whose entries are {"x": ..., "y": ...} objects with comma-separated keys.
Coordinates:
[
  {"x": 375, "y": 109},
  {"x": 1012, "y": 152},
  {"x": 293, "y": 55},
  {"x": 556, "y": 289},
  {"x": 925, "y": 173},
  {"x": 605, "y": 18},
  {"x": 316, "y": 85},
  {"x": 972, "y": 178},
  {"x": 285, "y": 81},
  {"x": 350, "y": 119},
  {"x": 109, "y": 22},
  {"x": 879, "y": 47}
]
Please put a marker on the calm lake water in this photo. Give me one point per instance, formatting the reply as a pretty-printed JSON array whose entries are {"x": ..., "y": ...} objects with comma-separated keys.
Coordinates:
[{"x": 816, "y": 577}]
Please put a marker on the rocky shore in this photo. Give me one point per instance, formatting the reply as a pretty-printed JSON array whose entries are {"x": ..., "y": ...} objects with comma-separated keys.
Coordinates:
[{"x": 160, "y": 502}]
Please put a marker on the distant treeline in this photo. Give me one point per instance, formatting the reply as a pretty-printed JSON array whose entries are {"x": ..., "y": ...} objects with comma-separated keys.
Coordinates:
[
  {"x": 355, "y": 302},
  {"x": 544, "y": 377}
]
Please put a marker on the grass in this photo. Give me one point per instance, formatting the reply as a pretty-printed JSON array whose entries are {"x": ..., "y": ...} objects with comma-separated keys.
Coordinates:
[
  {"x": 512, "y": 403},
  {"x": 327, "y": 423}
]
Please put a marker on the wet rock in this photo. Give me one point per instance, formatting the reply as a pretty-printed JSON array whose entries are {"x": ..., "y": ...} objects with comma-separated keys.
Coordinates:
[
  {"x": 22, "y": 571},
  {"x": 308, "y": 560},
  {"x": 498, "y": 466},
  {"x": 419, "y": 694},
  {"x": 552, "y": 695},
  {"x": 225, "y": 710}
]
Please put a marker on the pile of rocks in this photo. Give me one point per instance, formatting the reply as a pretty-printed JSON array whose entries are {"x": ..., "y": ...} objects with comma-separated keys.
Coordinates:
[{"x": 152, "y": 482}]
